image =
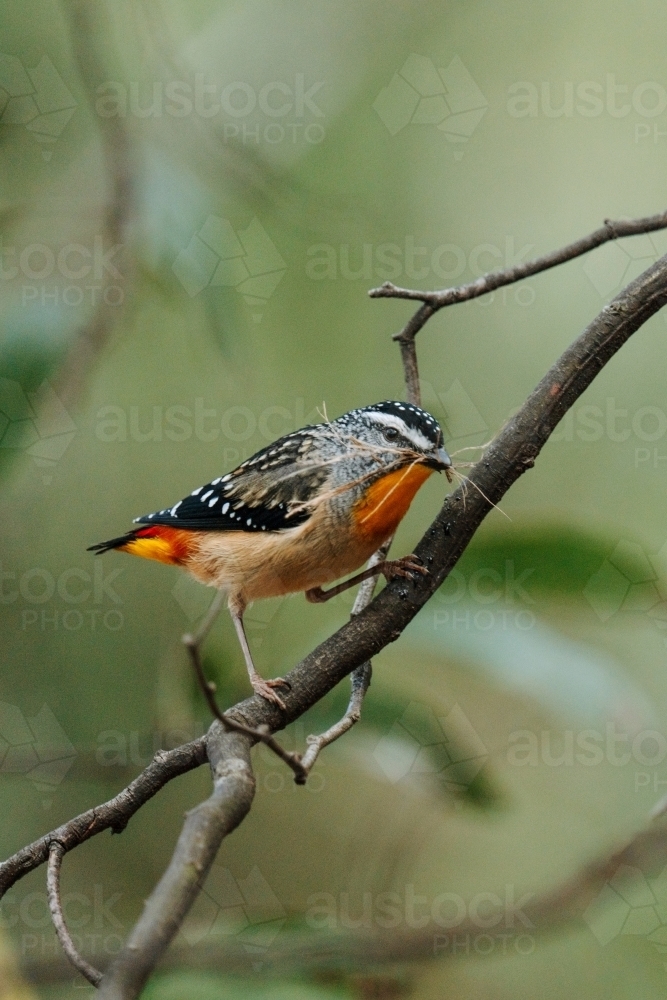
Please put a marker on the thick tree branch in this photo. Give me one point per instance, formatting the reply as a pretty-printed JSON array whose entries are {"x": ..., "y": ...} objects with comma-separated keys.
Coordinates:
[
  {"x": 204, "y": 829},
  {"x": 512, "y": 453},
  {"x": 433, "y": 301}
]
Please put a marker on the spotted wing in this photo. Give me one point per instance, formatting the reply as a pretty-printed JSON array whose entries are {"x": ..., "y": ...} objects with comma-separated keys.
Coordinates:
[{"x": 268, "y": 492}]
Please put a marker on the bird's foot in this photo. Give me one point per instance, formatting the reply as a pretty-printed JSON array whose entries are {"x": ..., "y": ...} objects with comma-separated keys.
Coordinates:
[
  {"x": 265, "y": 689},
  {"x": 405, "y": 567}
]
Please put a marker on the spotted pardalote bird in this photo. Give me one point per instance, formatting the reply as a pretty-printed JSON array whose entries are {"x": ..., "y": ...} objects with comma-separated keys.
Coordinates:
[{"x": 308, "y": 509}]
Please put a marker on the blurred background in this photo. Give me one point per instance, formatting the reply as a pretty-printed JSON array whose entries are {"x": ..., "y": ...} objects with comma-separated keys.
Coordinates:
[{"x": 196, "y": 199}]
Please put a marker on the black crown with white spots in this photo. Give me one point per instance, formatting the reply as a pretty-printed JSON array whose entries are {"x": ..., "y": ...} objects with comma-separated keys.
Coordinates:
[
  {"x": 413, "y": 416},
  {"x": 271, "y": 490}
]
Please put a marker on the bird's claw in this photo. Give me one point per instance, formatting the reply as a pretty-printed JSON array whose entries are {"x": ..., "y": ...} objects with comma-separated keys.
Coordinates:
[
  {"x": 405, "y": 567},
  {"x": 265, "y": 689}
]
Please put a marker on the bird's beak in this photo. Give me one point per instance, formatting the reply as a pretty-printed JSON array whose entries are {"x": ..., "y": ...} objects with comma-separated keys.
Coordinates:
[{"x": 440, "y": 461}]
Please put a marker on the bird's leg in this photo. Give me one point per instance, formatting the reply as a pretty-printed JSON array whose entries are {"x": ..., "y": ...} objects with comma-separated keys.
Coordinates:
[
  {"x": 262, "y": 734},
  {"x": 260, "y": 686},
  {"x": 389, "y": 568}
]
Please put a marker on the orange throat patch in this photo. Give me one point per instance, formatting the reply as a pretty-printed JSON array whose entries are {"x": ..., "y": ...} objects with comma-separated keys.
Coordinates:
[{"x": 385, "y": 503}]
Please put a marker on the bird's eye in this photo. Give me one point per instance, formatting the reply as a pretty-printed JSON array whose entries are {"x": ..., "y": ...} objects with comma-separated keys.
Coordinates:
[{"x": 390, "y": 433}]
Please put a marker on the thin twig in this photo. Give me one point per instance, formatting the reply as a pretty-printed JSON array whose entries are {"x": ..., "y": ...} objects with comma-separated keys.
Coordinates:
[
  {"x": 411, "y": 370},
  {"x": 56, "y": 854},
  {"x": 260, "y": 734},
  {"x": 360, "y": 679},
  {"x": 433, "y": 301}
]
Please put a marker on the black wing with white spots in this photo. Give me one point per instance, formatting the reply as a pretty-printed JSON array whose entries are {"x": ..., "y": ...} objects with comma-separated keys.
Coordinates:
[{"x": 265, "y": 493}]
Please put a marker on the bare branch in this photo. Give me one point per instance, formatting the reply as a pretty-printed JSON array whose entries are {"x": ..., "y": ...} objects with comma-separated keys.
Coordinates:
[
  {"x": 433, "y": 301},
  {"x": 360, "y": 682},
  {"x": 509, "y": 456},
  {"x": 512, "y": 453},
  {"x": 410, "y": 367},
  {"x": 112, "y": 815},
  {"x": 56, "y": 853}
]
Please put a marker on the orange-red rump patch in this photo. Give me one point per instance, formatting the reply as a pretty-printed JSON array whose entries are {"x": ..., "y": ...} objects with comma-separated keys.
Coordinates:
[
  {"x": 160, "y": 542},
  {"x": 385, "y": 503}
]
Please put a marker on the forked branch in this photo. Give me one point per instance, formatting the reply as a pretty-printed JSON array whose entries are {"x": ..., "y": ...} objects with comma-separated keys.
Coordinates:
[{"x": 432, "y": 302}]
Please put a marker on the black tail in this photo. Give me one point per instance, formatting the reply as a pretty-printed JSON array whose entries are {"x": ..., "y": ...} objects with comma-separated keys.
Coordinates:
[{"x": 113, "y": 543}]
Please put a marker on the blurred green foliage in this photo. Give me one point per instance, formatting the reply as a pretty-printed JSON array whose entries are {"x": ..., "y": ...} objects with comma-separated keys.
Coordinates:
[{"x": 240, "y": 290}]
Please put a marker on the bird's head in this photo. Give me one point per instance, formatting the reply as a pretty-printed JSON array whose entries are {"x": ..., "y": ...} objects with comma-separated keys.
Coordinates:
[{"x": 395, "y": 434}]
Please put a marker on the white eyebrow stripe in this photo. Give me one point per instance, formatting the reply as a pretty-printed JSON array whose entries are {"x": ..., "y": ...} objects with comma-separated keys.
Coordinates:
[{"x": 417, "y": 438}]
